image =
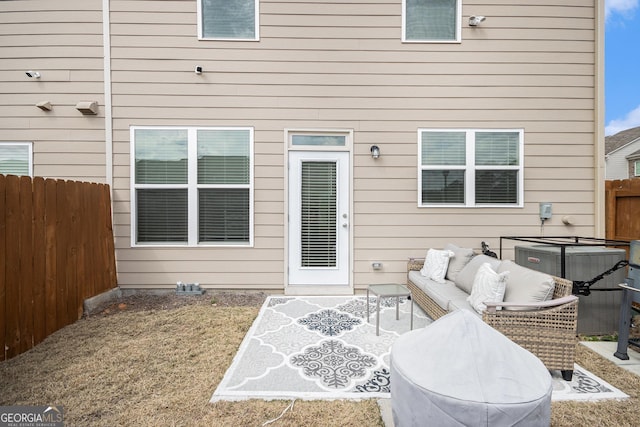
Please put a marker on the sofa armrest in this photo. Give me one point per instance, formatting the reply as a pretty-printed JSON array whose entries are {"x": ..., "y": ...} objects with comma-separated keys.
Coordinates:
[
  {"x": 415, "y": 264},
  {"x": 492, "y": 305}
]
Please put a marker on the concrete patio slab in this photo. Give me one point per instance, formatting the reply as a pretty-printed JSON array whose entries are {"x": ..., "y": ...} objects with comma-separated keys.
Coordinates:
[{"x": 606, "y": 349}]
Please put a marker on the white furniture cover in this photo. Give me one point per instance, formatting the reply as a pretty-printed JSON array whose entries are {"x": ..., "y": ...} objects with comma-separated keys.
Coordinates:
[{"x": 459, "y": 371}]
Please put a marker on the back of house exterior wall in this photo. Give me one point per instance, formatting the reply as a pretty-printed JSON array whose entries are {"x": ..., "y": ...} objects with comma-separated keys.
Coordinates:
[{"x": 328, "y": 65}]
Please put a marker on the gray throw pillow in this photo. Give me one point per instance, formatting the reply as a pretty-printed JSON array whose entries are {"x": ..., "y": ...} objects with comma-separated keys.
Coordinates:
[
  {"x": 461, "y": 256},
  {"x": 464, "y": 279}
]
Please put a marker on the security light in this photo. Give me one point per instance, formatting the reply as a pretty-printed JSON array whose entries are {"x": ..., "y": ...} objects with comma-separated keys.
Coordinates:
[{"x": 476, "y": 20}]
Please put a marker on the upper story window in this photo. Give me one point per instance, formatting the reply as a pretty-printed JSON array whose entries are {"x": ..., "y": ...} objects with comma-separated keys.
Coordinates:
[
  {"x": 228, "y": 19},
  {"x": 431, "y": 21},
  {"x": 470, "y": 168},
  {"x": 192, "y": 186},
  {"x": 16, "y": 158}
]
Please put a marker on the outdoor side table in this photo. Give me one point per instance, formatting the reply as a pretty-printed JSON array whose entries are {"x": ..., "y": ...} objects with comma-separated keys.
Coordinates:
[{"x": 385, "y": 291}]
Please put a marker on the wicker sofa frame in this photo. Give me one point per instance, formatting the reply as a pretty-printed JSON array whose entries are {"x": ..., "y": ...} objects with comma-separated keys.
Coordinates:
[{"x": 547, "y": 329}]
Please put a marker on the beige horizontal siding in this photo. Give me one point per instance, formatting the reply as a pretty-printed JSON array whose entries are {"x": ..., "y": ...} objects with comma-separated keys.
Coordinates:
[
  {"x": 63, "y": 41},
  {"x": 318, "y": 64}
]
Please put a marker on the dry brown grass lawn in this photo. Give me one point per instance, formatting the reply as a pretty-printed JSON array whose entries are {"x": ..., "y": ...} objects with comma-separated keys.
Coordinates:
[{"x": 160, "y": 368}]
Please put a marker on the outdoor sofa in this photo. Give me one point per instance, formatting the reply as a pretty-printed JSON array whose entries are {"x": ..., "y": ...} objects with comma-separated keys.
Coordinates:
[{"x": 533, "y": 309}]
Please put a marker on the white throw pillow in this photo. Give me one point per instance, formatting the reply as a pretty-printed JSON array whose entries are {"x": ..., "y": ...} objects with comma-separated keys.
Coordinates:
[
  {"x": 435, "y": 264},
  {"x": 464, "y": 279},
  {"x": 487, "y": 286}
]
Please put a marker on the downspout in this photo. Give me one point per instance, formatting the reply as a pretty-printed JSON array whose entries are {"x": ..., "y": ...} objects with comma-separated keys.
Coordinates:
[
  {"x": 598, "y": 143},
  {"x": 599, "y": 163},
  {"x": 108, "y": 116}
]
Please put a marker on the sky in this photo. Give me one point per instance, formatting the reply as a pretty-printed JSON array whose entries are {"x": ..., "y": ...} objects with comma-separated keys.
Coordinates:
[{"x": 622, "y": 65}]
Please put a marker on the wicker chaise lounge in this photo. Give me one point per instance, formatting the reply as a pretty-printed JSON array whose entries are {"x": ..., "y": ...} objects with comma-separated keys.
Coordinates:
[{"x": 547, "y": 329}]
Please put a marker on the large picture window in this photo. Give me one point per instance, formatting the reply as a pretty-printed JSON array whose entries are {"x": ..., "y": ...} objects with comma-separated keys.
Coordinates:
[
  {"x": 470, "y": 167},
  {"x": 192, "y": 186},
  {"x": 228, "y": 19},
  {"x": 431, "y": 20},
  {"x": 16, "y": 158}
]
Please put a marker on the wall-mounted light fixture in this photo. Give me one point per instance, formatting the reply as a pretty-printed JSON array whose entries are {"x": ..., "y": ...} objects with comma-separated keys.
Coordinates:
[
  {"x": 474, "y": 21},
  {"x": 87, "y": 108},
  {"x": 375, "y": 151},
  {"x": 32, "y": 74}
]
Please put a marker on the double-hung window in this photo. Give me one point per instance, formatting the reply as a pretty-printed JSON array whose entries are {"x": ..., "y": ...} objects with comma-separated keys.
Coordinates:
[
  {"x": 228, "y": 19},
  {"x": 636, "y": 168},
  {"x": 192, "y": 186},
  {"x": 431, "y": 21},
  {"x": 470, "y": 168},
  {"x": 16, "y": 158}
]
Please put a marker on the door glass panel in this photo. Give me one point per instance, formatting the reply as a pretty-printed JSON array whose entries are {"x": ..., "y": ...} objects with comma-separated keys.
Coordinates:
[{"x": 318, "y": 214}]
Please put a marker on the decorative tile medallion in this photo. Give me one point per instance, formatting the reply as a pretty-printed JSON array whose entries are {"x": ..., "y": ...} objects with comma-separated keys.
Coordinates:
[
  {"x": 586, "y": 384},
  {"x": 335, "y": 364},
  {"x": 329, "y": 322},
  {"x": 357, "y": 307},
  {"x": 380, "y": 382}
]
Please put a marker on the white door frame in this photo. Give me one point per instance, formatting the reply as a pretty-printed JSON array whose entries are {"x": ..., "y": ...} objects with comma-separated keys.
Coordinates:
[{"x": 304, "y": 284}]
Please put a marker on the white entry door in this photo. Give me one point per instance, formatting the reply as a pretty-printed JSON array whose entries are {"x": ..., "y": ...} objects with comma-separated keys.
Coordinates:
[{"x": 319, "y": 218}]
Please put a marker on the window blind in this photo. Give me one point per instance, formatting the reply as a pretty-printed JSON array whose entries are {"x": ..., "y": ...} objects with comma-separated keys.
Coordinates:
[
  {"x": 318, "y": 214},
  {"x": 443, "y": 186},
  {"x": 496, "y": 186},
  {"x": 497, "y": 148},
  {"x": 162, "y": 215},
  {"x": 223, "y": 215},
  {"x": 443, "y": 148},
  {"x": 161, "y": 156},
  {"x": 14, "y": 159},
  {"x": 223, "y": 156}
]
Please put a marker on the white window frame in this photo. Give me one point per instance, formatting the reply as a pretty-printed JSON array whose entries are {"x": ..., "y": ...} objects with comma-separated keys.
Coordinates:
[
  {"x": 458, "y": 38},
  {"x": 29, "y": 146},
  {"x": 192, "y": 187},
  {"x": 201, "y": 35},
  {"x": 636, "y": 168},
  {"x": 470, "y": 168}
]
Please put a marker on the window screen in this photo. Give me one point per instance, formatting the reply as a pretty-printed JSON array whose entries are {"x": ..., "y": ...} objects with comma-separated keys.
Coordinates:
[
  {"x": 431, "y": 20},
  {"x": 229, "y": 19}
]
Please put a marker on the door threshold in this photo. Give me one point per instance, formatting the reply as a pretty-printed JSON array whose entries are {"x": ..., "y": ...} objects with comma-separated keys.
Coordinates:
[{"x": 312, "y": 290}]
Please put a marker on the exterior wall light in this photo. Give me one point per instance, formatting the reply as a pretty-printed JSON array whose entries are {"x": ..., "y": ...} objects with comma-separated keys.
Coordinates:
[
  {"x": 474, "y": 21},
  {"x": 375, "y": 151}
]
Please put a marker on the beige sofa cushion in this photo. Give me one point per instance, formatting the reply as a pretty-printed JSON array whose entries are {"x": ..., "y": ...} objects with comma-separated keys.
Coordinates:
[
  {"x": 461, "y": 256},
  {"x": 526, "y": 285},
  {"x": 464, "y": 279}
]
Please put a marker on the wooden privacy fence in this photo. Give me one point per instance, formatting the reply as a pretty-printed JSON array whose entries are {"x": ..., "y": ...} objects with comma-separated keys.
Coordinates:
[
  {"x": 57, "y": 249},
  {"x": 622, "y": 211}
]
